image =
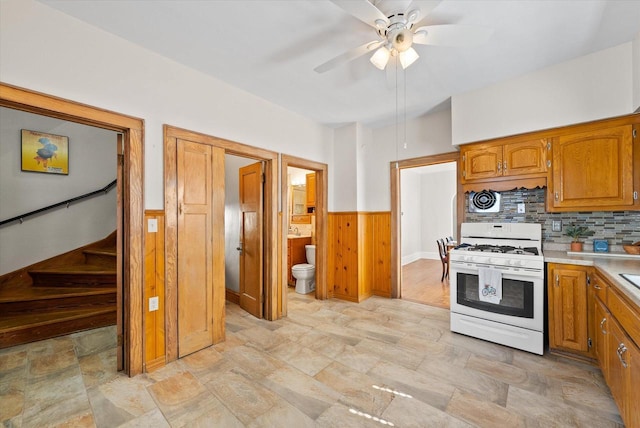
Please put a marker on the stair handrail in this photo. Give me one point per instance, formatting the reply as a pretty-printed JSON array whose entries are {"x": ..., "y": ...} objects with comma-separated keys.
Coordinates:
[{"x": 68, "y": 202}]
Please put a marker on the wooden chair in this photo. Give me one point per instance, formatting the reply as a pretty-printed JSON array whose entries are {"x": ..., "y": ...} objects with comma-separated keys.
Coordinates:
[{"x": 444, "y": 258}]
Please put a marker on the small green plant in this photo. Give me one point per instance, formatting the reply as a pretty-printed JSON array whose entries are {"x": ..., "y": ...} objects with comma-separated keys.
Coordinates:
[{"x": 577, "y": 232}]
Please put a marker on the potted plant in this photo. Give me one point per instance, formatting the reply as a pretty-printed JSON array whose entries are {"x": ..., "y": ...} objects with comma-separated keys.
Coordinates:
[{"x": 576, "y": 233}]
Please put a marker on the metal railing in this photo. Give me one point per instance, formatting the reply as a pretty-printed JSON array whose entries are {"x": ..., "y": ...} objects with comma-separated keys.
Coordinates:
[{"x": 68, "y": 202}]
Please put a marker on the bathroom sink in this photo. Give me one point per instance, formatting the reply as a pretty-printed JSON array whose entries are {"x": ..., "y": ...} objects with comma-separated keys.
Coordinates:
[{"x": 632, "y": 278}]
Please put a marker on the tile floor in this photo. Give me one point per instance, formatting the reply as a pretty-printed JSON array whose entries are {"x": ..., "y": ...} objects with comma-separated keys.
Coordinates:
[{"x": 329, "y": 364}]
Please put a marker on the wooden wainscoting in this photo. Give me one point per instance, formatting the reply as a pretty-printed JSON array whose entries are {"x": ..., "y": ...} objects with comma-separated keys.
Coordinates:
[
  {"x": 374, "y": 250},
  {"x": 359, "y": 255},
  {"x": 154, "y": 332}
]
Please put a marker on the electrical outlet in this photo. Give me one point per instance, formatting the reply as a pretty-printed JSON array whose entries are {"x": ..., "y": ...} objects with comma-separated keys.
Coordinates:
[
  {"x": 152, "y": 226},
  {"x": 153, "y": 304},
  {"x": 556, "y": 225},
  {"x": 521, "y": 208}
]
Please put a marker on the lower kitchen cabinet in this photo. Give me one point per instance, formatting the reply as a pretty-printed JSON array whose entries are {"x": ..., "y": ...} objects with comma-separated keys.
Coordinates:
[{"x": 568, "y": 309}]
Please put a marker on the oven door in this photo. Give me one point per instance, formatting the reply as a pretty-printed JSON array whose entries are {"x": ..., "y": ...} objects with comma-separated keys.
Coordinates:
[{"x": 522, "y": 297}]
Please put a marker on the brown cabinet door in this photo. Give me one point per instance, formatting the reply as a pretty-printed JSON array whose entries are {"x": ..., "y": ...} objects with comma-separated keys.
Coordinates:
[
  {"x": 601, "y": 317},
  {"x": 633, "y": 396},
  {"x": 311, "y": 190},
  {"x": 618, "y": 360},
  {"x": 527, "y": 157},
  {"x": 251, "y": 255},
  {"x": 568, "y": 327},
  {"x": 593, "y": 169},
  {"x": 482, "y": 162}
]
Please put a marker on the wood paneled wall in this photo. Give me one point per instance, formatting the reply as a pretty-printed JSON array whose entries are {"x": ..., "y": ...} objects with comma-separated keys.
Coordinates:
[
  {"x": 154, "y": 284},
  {"x": 359, "y": 248}
]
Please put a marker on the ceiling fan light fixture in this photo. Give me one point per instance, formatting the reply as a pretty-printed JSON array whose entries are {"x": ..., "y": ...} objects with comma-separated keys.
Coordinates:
[
  {"x": 408, "y": 57},
  {"x": 402, "y": 40},
  {"x": 380, "y": 58}
]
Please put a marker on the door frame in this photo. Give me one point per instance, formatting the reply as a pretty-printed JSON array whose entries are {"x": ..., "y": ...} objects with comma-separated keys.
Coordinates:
[
  {"x": 270, "y": 291},
  {"x": 132, "y": 204},
  {"x": 396, "y": 243},
  {"x": 321, "y": 170}
]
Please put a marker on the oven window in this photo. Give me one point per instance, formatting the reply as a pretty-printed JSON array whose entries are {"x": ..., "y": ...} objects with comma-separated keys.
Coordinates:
[{"x": 517, "y": 296}]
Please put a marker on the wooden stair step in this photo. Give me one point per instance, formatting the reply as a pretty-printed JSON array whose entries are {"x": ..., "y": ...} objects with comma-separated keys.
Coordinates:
[
  {"x": 74, "y": 276},
  {"x": 101, "y": 256},
  {"x": 25, "y": 328},
  {"x": 55, "y": 298}
]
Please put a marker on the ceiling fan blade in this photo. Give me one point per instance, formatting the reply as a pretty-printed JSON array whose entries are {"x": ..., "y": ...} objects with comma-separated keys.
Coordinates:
[
  {"x": 349, "y": 56},
  {"x": 424, "y": 6},
  {"x": 363, "y": 10},
  {"x": 451, "y": 35}
]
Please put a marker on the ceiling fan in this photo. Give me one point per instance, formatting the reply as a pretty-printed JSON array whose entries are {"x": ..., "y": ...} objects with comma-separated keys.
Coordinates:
[{"x": 396, "y": 34}]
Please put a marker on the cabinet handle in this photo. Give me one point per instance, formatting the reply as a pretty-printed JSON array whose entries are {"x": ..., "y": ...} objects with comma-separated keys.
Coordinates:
[
  {"x": 557, "y": 197},
  {"x": 597, "y": 287},
  {"x": 557, "y": 280},
  {"x": 499, "y": 166},
  {"x": 504, "y": 166},
  {"x": 604, "y": 320},
  {"x": 548, "y": 164},
  {"x": 621, "y": 350}
]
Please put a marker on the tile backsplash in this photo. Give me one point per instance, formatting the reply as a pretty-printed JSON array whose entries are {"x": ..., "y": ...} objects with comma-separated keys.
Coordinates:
[{"x": 617, "y": 227}]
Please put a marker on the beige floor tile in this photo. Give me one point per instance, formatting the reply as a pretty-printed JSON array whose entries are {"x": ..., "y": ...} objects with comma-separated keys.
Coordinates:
[
  {"x": 94, "y": 341},
  {"x": 283, "y": 414},
  {"x": 482, "y": 413},
  {"x": 412, "y": 413},
  {"x": 153, "y": 419},
  {"x": 11, "y": 398},
  {"x": 344, "y": 416},
  {"x": 98, "y": 368}
]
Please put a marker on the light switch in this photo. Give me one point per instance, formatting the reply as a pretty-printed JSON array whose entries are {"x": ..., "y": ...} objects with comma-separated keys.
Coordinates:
[
  {"x": 153, "y": 304},
  {"x": 152, "y": 226},
  {"x": 521, "y": 208},
  {"x": 556, "y": 225}
]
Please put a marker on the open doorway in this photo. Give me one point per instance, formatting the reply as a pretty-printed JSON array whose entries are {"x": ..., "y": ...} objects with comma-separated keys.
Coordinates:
[
  {"x": 209, "y": 156},
  {"x": 303, "y": 216},
  {"x": 130, "y": 206},
  {"x": 416, "y": 253},
  {"x": 427, "y": 192}
]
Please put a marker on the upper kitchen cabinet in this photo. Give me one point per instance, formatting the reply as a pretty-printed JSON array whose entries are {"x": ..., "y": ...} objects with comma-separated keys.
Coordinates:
[
  {"x": 593, "y": 170},
  {"x": 311, "y": 192},
  {"x": 504, "y": 164}
]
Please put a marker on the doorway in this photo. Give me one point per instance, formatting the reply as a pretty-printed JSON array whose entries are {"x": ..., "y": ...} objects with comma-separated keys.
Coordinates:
[
  {"x": 397, "y": 223},
  {"x": 320, "y": 175},
  {"x": 219, "y": 148},
  {"x": 426, "y": 192},
  {"x": 130, "y": 196}
]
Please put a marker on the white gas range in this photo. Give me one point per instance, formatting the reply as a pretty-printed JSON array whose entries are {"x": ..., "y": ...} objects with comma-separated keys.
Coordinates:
[{"x": 497, "y": 284}]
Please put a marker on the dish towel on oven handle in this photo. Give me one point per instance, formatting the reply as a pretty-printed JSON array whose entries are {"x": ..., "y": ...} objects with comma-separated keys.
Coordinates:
[{"x": 490, "y": 285}]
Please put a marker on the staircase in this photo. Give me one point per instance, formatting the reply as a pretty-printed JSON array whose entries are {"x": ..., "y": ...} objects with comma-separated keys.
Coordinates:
[{"x": 72, "y": 292}]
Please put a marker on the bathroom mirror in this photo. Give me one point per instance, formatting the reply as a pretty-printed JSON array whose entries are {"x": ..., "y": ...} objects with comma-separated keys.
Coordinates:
[{"x": 298, "y": 207}]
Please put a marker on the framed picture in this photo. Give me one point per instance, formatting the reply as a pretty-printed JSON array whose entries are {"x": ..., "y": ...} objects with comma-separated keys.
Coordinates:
[{"x": 42, "y": 152}]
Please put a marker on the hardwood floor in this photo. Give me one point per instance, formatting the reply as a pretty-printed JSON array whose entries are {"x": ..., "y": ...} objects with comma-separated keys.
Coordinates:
[{"x": 421, "y": 283}]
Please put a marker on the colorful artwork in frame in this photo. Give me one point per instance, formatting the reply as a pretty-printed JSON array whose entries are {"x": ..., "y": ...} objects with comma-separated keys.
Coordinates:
[{"x": 42, "y": 152}]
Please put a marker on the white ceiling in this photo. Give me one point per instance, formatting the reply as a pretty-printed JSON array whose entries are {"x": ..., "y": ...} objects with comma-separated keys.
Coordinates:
[{"x": 270, "y": 48}]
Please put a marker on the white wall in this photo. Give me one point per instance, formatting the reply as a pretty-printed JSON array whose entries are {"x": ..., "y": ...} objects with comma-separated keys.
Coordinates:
[
  {"x": 426, "y": 135},
  {"x": 636, "y": 73},
  {"x": 47, "y": 51},
  {"x": 343, "y": 188},
  {"x": 438, "y": 189},
  {"x": 232, "y": 219},
  {"x": 92, "y": 165},
  {"x": 410, "y": 220},
  {"x": 591, "y": 87}
]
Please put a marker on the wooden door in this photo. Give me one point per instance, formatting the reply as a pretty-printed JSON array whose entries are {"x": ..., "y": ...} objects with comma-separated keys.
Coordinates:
[
  {"x": 251, "y": 253},
  {"x": 618, "y": 362},
  {"x": 482, "y": 162},
  {"x": 195, "y": 252},
  {"x": 527, "y": 157},
  {"x": 633, "y": 398},
  {"x": 593, "y": 169},
  {"x": 568, "y": 327}
]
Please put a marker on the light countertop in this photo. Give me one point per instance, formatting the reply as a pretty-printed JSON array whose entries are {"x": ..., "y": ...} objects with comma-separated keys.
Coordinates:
[{"x": 610, "y": 267}]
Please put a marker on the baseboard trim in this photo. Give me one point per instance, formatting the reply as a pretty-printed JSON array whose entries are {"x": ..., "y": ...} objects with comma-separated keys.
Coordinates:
[{"x": 232, "y": 296}]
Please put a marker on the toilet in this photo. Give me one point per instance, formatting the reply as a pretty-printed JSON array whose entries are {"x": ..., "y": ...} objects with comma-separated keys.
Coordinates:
[{"x": 305, "y": 273}]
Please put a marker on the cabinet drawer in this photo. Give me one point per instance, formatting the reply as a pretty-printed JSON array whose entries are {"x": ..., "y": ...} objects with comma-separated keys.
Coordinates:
[
  {"x": 600, "y": 287},
  {"x": 625, "y": 314}
]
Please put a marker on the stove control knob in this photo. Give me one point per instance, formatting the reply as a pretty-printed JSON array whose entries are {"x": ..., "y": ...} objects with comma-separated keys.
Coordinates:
[
  {"x": 518, "y": 262},
  {"x": 508, "y": 262}
]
